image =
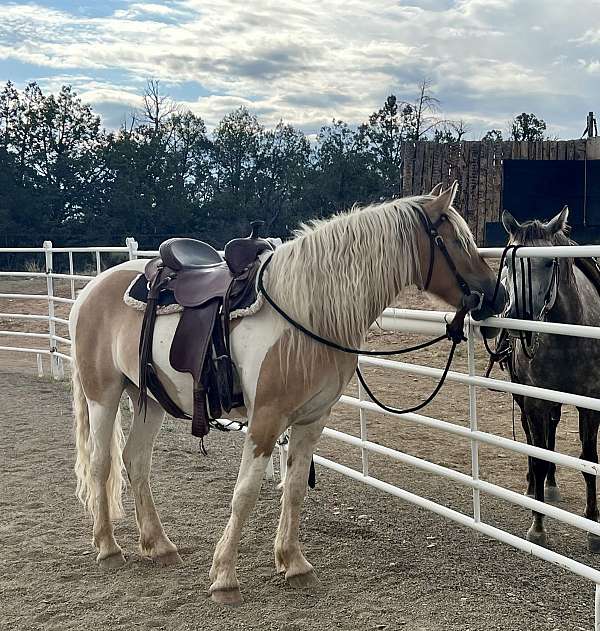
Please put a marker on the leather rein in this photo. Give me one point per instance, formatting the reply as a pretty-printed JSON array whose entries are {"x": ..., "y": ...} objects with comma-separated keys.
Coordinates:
[
  {"x": 530, "y": 348},
  {"x": 454, "y": 330}
]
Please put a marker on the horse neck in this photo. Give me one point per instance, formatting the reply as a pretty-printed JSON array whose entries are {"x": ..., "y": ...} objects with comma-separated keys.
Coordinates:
[{"x": 378, "y": 285}]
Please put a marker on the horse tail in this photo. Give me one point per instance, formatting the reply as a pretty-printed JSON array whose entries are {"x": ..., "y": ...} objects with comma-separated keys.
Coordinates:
[
  {"x": 82, "y": 440},
  {"x": 116, "y": 481},
  {"x": 85, "y": 487}
]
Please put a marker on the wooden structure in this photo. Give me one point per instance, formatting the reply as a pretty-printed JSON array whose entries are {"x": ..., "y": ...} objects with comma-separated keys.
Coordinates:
[{"x": 477, "y": 165}]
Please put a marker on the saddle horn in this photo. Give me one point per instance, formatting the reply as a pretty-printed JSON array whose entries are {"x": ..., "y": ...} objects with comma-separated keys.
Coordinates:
[{"x": 256, "y": 226}]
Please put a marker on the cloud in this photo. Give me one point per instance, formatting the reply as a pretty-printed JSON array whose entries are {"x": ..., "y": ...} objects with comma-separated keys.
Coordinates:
[
  {"x": 311, "y": 62},
  {"x": 138, "y": 9}
]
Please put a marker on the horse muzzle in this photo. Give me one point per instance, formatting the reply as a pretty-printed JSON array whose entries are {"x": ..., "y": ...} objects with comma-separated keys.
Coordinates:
[{"x": 490, "y": 305}]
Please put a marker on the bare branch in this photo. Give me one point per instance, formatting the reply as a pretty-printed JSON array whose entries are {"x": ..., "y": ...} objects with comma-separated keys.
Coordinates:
[{"x": 157, "y": 107}]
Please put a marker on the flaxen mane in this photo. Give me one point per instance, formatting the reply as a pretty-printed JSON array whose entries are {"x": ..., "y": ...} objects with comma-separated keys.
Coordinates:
[{"x": 329, "y": 277}]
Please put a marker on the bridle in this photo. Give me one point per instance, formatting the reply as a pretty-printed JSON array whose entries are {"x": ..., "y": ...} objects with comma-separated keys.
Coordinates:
[
  {"x": 505, "y": 345},
  {"x": 454, "y": 330},
  {"x": 436, "y": 241},
  {"x": 531, "y": 345}
]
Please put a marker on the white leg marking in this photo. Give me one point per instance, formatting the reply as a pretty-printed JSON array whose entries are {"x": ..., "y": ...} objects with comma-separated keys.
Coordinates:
[
  {"x": 223, "y": 574},
  {"x": 288, "y": 553},
  {"x": 102, "y": 424},
  {"x": 137, "y": 457}
]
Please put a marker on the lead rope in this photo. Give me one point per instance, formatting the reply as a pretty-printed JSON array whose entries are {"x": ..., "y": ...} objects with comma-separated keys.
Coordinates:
[{"x": 415, "y": 408}]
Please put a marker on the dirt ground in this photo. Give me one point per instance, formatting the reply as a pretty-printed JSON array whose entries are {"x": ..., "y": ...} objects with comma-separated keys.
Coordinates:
[{"x": 382, "y": 563}]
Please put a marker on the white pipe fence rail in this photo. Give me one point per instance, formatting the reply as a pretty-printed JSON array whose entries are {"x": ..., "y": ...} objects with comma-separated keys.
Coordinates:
[{"x": 402, "y": 320}]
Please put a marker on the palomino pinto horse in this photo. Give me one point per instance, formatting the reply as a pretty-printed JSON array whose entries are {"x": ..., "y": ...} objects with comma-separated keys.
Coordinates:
[
  {"x": 556, "y": 290},
  {"x": 335, "y": 277}
]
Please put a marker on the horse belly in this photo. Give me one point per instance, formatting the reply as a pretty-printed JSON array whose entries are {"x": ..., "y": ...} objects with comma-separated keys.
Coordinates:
[{"x": 251, "y": 338}]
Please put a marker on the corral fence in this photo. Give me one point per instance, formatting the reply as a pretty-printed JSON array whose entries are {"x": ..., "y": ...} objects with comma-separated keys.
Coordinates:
[
  {"x": 402, "y": 320},
  {"x": 479, "y": 168}
]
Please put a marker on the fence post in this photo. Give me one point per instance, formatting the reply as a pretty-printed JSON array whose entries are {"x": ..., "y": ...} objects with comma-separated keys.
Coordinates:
[
  {"x": 55, "y": 367},
  {"x": 473, "y": 420},
  {"x": 363, "y": 429},
  {"x": 71, "y": 268},
  {"x": 132, "y": 247}
]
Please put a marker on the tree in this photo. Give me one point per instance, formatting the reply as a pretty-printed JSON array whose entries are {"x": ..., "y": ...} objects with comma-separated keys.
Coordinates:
[
  {"x": 344, "y": 170},
  {"x": 493, "y": 135},
  {"x": 158, "y": 107},
  {"x": 422, "y": 116},
  {"x": 451, "y": 131},
  {"x": 283, "y": 166},
  {"x": 527, "y": 127},
  {"x": 383, "y": 136}
]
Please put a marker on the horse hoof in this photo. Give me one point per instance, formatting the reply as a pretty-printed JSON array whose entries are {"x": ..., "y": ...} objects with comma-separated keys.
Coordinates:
[
  {"x": 552, "y": 494},
  {"x": 112, "y": 562},
  {"x": 529, "y": 494},
  {"x": 301, "y": 581},
  {"x": 231, "y": 597},
  {"x": 593, "y": 543},
  {"x": 539, "y": 537},
  {"x": 169, "y": 558}
]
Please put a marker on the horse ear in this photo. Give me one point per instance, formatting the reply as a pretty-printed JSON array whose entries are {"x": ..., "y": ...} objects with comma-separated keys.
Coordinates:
[
  {"x": 444, "y": 200},
  {"x": 436, "y": 190},
  {"x": 511, "y": 225},
  {"x": 559, "y": 223}
]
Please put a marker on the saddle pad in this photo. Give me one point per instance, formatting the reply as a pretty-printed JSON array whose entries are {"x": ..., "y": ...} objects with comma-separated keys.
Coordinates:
[{"x": 136, "y": 297}]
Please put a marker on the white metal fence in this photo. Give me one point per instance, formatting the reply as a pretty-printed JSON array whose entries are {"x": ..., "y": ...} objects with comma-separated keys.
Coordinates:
[{"x": 404, "y": 320}]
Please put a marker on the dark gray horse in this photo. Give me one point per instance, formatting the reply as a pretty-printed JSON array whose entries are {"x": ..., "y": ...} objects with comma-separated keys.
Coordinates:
[{"x": 555, "y": 290}]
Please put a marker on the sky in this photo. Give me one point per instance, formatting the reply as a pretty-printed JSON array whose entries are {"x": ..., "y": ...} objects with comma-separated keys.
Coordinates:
[{"x": 310, "y": 61}]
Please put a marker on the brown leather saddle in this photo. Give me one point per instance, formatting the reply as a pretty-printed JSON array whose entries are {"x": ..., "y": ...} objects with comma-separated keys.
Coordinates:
[{"x": 209, "y": 287}]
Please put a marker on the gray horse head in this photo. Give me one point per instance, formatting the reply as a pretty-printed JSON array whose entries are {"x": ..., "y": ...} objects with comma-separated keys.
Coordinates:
[{"x": 532, "y": 292}]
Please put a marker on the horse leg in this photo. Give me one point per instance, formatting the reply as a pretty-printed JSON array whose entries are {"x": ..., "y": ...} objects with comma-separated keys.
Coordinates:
[
  {"x": 288, "y": 554},
  {"x": 552, "y": 491},
  {"x": 258, "y": 446},
  {"x": 530, "y": 482},
  {"x": 588, "y": 434},
  {"x": 103, "y": 429},
  {"x": 137, "y": 457},
  {"x": 537, "y": 426}
]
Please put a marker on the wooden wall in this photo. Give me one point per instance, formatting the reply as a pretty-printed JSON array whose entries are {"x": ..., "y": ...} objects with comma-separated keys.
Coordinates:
[{"x": 478, "y": 168}]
